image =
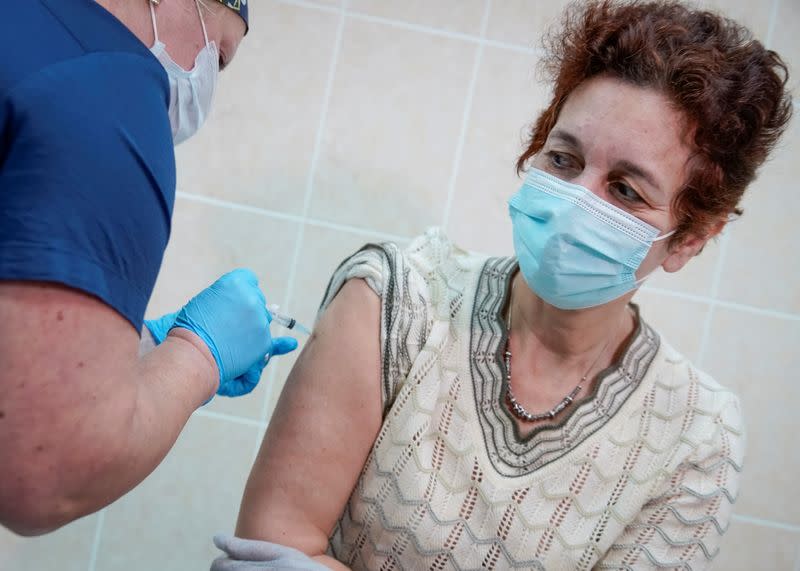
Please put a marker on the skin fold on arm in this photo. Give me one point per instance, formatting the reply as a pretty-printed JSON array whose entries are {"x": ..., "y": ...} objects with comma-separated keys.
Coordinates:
[{"x": 326, "y": 421}]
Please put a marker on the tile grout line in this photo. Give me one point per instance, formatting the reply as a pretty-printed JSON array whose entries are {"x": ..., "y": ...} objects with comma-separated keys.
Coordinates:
[
  {"x": 449, "y": 34},
  {"x": 467, "y": 37},
  {"x": 768, "y": 523},
  {"x": 756, "y": 310},
  {"x": 357, "y": 230},
  {"x": 773, "y": 20},
  {"x": 230, "y": 205},
  {"x": 289, "y": 217},
  {"x": 242, "y": 420},
  {"x": 364, "y": 17},
  {"x": 398, "y": 238},
  {"x": 519, "y": 48},
  {"x": 722, "y": 303},
  {"x": 715, "y": 282},
  {"x": 451, "y": 187},
  {"x": 723, "y": 254},
  {"x": 312, "y": 171},
  {"x": 704, "y": 339},
  {"x": 269, "y": 393},
  {"x": 311, "y": 6},
  {"x": 677, "y": 294},
  {"x": 98, "y": 534},
  {"x": 326, "y": 100},
  {"x": 268, "y": 396}
]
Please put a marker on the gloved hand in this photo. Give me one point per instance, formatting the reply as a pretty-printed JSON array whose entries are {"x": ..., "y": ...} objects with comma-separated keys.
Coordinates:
[
  {"x": 247, "y": 381},
  {"x": 254, "y": 555},
  {"x": 161, "y": 326},
  {"x": 231, "y": 318}
]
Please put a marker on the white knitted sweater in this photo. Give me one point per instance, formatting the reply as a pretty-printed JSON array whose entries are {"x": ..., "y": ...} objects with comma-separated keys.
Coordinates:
[{"x": 641, "y": 475}]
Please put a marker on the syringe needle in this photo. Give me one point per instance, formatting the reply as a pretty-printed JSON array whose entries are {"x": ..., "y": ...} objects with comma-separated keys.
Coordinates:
[{"x": 286, "y": 321}]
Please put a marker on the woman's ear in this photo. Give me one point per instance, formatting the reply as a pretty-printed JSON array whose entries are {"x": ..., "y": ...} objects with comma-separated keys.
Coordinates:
[{"x": 689, "y": 247}]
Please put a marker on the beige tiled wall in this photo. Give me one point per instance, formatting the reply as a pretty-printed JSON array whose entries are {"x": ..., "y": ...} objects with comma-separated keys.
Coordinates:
[{"x": 345, "y": 123}]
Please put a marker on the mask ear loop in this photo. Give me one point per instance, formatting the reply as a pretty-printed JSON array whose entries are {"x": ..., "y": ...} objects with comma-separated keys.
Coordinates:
[
  {"x": 640, "y": 281},
  {"x": 667, "y": 235},
  {"x": 202, "y": 21},
  {"x": 153, "y": 17}
]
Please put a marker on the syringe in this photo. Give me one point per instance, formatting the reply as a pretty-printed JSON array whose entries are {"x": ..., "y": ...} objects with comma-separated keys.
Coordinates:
[{"x": 286, "y": 321}]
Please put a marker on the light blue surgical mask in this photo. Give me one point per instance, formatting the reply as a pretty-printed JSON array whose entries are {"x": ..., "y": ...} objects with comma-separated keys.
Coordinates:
[{"x": 576, "y": 250}]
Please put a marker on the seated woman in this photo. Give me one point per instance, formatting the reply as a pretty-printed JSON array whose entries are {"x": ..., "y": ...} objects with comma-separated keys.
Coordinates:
[{"x": 457, "y": 411}]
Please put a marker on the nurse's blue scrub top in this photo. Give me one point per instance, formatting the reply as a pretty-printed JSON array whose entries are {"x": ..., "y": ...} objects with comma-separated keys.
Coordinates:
[{"x": 87, "y": 167}]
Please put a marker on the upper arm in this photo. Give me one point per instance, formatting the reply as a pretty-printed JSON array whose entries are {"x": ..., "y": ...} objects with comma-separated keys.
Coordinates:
[
  {"x": 51, "y": 339},
  {"x": 683, "y": 527},
  {"x": 324, "y": 426},
  {"x": 84, "y": 220},
  {"x": 63, "y": 353}
]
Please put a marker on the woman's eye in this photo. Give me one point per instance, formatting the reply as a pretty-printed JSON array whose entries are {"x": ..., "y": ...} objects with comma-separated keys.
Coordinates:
[
  {"x": 560, "y": 160},
  {"x": 625, "y": 192}
]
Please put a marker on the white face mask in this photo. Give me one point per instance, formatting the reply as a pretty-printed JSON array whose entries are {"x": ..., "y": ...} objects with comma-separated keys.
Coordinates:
[{"x": 190, "y": 92}]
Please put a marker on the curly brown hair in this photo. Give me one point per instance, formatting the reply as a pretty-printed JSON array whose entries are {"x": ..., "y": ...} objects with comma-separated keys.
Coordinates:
[{"x": 729, "y": 87}]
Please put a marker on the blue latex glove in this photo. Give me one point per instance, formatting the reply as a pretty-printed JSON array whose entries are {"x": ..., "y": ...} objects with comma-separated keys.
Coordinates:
[
  {"x": 231, "y": 318},
  {"x": 160, "y": 327},
  {"x": 246, "y": 382}
]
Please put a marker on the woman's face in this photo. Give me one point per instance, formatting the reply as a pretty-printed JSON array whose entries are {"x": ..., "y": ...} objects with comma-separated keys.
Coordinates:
[{"x": 628, "y": 146}]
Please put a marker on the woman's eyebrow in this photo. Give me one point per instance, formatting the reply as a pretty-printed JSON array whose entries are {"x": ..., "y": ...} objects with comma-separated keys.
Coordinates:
[
  {"x": 566, "y": 137},
  {"x": 639, "y": 172}
]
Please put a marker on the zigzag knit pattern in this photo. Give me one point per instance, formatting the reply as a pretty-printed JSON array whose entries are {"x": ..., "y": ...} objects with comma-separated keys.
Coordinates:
[{"x": 641, "y": 475}]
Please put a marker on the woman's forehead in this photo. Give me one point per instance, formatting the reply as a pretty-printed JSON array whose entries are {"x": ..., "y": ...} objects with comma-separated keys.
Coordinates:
[{"x": 610, "y": 120}]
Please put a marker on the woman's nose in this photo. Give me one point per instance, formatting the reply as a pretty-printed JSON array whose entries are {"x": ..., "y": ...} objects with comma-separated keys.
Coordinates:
[{"x": 593, "y": 181}]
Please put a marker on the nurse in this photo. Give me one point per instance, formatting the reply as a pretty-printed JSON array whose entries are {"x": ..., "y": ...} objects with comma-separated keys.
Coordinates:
[{"x": 93, "y": 96}]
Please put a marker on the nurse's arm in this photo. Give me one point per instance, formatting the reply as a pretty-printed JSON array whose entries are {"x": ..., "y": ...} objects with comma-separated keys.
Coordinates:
[
  {"x": 83, "y": 419},
  {"x": 322, "y": 431}
]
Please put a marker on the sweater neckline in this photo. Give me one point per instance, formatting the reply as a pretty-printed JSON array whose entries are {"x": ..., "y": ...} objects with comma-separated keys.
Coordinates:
[{"x": 511, "y": 453}]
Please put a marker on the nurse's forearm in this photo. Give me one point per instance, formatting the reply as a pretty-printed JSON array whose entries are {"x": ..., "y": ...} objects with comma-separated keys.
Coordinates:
[{"x": 173, "y": 380}]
